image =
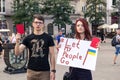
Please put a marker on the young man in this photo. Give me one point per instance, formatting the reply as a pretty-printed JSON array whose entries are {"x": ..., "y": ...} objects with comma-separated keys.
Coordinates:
[
  {"x": 40, "y": 46},
  {"x": 60, "y": 34},
  {"x": 117, "y": 47}
]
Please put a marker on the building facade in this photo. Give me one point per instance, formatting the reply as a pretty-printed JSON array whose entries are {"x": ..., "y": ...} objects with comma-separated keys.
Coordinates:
[
  {"x": 79, "y": 5},
  {"x": 6, "y": 11}
]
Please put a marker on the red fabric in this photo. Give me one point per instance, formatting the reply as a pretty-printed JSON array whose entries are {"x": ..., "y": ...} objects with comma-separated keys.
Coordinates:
[{"x": 20, "y": 28}]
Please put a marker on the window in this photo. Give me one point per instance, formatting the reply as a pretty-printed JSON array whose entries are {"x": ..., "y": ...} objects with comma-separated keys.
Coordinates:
[
  {"x": 2, "y": 5},
  {"x": 113, "y": 2},
  {"x": 83, "y": 8}
]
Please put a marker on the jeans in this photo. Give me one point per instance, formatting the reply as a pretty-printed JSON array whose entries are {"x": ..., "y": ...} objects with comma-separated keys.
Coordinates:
[{"x": 117, "y": 50}]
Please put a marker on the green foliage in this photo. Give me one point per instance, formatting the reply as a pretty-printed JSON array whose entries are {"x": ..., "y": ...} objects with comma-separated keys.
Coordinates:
[
  {"x": 60, "y": 9},
  {"x": 23, "y": 11},
  {"x": 96, "y": 11},
  {"x": 116, "y": 4},
  {"x": 116, "y": 14}
]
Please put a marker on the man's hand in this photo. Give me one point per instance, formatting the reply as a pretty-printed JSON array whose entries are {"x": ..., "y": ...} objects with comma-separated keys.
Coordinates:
[
  {"x": 18, "y": 37},
  {"x": 52, "y": 76}
]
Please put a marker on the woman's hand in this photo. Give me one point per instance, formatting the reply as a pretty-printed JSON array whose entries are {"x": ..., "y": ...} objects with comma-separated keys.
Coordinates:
[
  {"x": 58, "y": 46},
  {"x": 98, "y": 45},
  {"x": 0, "y": 42}
]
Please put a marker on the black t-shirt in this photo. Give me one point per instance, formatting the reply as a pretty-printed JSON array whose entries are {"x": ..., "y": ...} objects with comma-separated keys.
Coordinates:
[{"x": 38, "y": 46}]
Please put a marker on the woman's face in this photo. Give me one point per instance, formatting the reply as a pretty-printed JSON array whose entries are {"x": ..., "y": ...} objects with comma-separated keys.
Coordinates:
[{"x": 80, "y": 27}]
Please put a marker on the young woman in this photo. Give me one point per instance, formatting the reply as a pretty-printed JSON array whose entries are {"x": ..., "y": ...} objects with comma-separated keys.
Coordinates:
[{"x": 82, "y": 32}]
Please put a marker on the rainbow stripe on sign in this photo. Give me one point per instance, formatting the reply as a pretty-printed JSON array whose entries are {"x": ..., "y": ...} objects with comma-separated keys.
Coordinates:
[{"x": 92, "y": 52}]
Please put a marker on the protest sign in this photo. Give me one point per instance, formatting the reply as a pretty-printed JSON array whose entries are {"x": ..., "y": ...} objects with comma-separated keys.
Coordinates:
[{"x": 78, "y": 53}]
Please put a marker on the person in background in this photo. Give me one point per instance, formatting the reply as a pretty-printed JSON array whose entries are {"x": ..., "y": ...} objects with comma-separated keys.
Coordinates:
[
  {"x": 41, "y": 50},
  {"x": 6, "y": 40},
  {"x": 13, "y": 39},
  {"x": 117, "y": 47},
  {"x": 60, "y": 34},
  {"x": 1, "y": 48},
  {"x": 102, "y": 35},
  {"x": 82, "y": 32}
]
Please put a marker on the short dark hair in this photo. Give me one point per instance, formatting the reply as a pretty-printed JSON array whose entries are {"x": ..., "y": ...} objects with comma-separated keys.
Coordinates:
[
  {"x": 38, "y": 16},
  {"x": 60, "y": 30}
]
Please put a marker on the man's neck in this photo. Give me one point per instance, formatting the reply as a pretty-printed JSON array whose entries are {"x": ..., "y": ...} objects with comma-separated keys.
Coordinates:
[{"x": 38, "y": 32}]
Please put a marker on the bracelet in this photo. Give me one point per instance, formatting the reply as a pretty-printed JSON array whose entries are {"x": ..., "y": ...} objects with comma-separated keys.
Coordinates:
[
  {"x": 17, "y": 43},
  {"x": 53, "y": 71}
]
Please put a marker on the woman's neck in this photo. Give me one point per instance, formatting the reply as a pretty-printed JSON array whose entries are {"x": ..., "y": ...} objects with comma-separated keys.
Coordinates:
[{"x": 82, "y": 36}]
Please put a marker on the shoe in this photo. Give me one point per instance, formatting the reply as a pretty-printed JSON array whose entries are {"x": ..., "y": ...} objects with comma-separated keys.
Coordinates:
[{"x": 114, "y": 62}]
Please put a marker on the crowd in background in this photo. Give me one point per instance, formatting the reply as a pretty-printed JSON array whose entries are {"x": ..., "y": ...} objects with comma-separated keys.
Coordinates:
[{"x": 6, "y": 39}]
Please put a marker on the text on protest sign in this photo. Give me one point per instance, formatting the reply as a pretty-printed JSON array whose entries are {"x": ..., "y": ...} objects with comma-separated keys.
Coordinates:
[{"x": 78, "y": 53}]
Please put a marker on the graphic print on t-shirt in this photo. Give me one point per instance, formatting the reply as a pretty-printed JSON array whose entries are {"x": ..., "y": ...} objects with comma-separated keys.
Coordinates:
[{"x": 37, "y": 48}]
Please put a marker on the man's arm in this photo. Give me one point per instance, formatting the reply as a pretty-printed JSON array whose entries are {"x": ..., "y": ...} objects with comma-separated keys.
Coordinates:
[
  {"x": 52, "y": 58},
  {"x": 52, "y": 63},
  {"x": 18, "y": 47}
]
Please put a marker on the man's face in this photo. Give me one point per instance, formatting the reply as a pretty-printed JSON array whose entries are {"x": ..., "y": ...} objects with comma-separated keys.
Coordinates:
[
  {"x": 38, "y": 24},
  {"x": 60, "y": 32}
]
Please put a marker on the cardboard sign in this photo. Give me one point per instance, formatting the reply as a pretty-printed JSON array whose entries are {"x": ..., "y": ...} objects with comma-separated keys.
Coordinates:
[
  {"x": 78, "y": 53},
  {"x": 20, "y": 28}
]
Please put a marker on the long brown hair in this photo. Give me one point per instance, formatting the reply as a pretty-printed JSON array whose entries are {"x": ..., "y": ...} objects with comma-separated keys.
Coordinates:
[{"x": 86, "y": 27}]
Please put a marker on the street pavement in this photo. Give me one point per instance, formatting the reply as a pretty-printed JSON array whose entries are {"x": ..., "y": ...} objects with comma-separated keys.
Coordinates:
[{"x": 105, "y": 69}]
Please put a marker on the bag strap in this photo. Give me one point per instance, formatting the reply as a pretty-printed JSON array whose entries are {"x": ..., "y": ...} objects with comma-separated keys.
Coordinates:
[{"x": 70, "y": 70}]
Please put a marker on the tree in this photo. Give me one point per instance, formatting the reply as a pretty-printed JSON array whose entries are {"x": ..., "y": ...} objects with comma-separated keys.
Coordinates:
[
  {"x": 96, "y": 12},
  {"x": 23, "y": 11},
  {"x": 117, "y": 13},
  {"x": 60, "y": 9}
]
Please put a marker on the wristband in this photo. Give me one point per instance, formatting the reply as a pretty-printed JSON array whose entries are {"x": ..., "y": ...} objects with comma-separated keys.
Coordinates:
[{"x": 53, "y": 71}]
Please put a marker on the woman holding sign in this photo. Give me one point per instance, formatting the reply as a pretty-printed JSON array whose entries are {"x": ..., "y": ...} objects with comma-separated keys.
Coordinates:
[{"x": 82, "y": 32}]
